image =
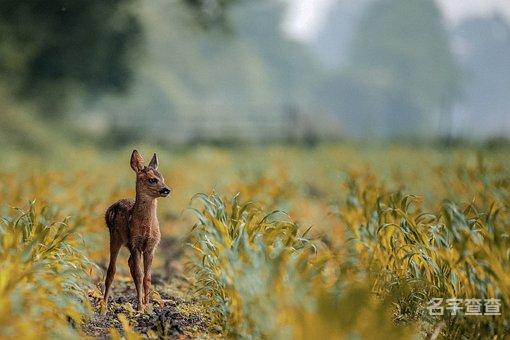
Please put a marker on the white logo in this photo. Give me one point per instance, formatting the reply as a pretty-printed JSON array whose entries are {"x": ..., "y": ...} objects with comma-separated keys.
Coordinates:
[{"x": 469, "y": 306}]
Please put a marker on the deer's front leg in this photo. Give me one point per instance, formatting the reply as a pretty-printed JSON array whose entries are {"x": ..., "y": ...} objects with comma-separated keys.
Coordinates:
[
  {"x": 136, "y": 272},
  {"x": 147, "y": 273}
]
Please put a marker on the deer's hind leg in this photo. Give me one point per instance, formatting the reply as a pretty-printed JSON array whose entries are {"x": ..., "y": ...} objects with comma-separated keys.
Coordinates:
[{"x": 112, "y": 267}]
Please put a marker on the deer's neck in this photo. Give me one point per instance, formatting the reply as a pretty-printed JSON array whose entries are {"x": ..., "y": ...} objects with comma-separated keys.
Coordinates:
[{"x": 144, "y": 208}]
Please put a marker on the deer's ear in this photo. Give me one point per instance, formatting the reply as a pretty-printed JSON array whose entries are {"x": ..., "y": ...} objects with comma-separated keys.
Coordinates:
[
  {"x": 154, "y": 162},
  {"x": 137, "y": 163}
]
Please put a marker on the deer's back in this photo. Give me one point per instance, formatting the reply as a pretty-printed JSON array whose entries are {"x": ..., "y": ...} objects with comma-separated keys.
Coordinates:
[{"x": 117, "y": 218}]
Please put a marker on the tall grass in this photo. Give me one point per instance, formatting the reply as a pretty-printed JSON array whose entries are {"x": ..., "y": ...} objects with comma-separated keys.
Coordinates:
[
  {"x": 462, "y": 250},
  {"x": 43, "y": 276},
  {"x": 241, "y": 257},
  {"x": 263, "y": 277},
  {"x": 375, "y": 256}
]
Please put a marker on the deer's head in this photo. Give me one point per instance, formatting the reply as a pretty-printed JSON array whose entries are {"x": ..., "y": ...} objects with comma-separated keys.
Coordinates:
[{"x": 149, "y": 182}]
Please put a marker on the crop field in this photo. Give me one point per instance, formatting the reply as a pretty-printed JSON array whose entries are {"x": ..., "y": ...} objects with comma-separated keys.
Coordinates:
[{"x": 285, "y": 242}]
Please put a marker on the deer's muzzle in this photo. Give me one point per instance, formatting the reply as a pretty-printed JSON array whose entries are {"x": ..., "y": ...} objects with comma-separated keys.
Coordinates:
[{"x": 164, "y": 192}]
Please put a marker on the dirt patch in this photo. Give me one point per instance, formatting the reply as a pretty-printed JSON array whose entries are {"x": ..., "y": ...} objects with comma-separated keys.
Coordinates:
[
  {"x": 173, "y": 312},
  {"x": 170, "y": 315}
]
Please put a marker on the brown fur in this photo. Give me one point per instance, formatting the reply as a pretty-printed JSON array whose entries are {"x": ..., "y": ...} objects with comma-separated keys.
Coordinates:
[{"x": 134, "y": 224}]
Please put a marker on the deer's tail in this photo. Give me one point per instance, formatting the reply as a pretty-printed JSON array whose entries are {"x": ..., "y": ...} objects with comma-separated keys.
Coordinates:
[{"x": 110, "y": 214}]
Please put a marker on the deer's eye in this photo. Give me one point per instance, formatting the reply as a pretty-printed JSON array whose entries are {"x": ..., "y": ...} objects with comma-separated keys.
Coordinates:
[{"x": 153, "y": 180}]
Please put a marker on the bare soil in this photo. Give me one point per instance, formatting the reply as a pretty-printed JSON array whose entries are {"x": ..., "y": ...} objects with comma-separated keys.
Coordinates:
[{"x": 173, "y": 312}]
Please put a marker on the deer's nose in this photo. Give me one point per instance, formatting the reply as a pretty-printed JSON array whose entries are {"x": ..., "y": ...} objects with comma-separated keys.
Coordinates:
[{"x": 164, "y": 191}]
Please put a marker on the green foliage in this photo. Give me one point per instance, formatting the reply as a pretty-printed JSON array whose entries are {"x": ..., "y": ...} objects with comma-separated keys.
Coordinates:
[
  {"x": 240, "y": 256},
  {"x": 369, "y": 265},
  {"x": 25, "y": 132},
  {"x": 459, "y": 251},
  {"x": 261, "y": 277},
  {"x": 52, "y": 48},
  {"x": 43, "y": 276},
  {"x": 201, "y": 83}
]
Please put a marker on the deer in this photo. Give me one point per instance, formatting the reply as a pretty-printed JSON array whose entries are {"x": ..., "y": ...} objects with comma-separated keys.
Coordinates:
[{"x": 134, "y": 224}]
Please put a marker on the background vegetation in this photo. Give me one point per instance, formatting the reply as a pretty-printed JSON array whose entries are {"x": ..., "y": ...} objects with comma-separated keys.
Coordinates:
[
  {"x": 343, "y": 179},
  {"x": 222, "y": 71},
  {"x": 332, "y": 244}
]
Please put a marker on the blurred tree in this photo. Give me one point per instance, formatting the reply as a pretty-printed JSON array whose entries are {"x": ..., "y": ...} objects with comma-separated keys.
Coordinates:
[
  {"x": 211, "y": 84},
  {"x": 211, "y": 13},
  {"x": 291, "y": 65},
  {"x": 402, "y": 67},
  {"x": 333, "y": 40},
  {"x": 484, "y": 51},
  {"x": 50, "y": 48}
]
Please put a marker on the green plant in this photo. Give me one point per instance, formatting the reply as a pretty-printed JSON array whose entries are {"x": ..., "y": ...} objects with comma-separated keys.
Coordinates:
[
  {"x": 43, "y": 275},
  {"x": 262, "y": 278},
  {"x": 460, "y": 251}
]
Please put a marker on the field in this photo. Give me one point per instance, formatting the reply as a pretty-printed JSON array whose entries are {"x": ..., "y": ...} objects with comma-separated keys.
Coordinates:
[{"x": 332, "y": 241}]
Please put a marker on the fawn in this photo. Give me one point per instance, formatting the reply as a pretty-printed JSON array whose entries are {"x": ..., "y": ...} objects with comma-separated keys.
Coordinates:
[{"x": 134, "y": 224}]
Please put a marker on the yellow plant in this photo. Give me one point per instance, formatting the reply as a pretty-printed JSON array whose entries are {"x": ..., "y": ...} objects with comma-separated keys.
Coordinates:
[
  {"x": 460, "y": 251},
  {"x": 43, "y": 276},
  {"x": 393, "y": 225},
  {"x": 264, "y": 279}
]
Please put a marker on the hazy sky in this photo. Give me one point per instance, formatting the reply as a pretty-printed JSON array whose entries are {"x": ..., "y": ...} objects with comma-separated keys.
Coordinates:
[{"x": 305, "y": 17}]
